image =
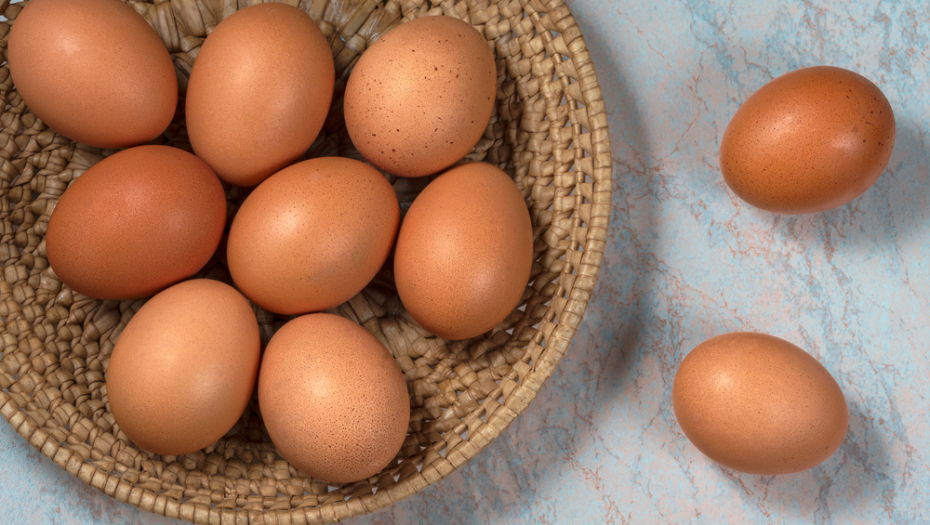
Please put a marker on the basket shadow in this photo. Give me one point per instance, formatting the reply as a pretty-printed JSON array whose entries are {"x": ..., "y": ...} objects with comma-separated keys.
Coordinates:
[{"x": 521, "y": 469}]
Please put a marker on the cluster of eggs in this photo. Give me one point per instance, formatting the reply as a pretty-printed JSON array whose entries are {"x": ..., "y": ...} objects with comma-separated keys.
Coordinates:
[{"x": 309, "y": 235}]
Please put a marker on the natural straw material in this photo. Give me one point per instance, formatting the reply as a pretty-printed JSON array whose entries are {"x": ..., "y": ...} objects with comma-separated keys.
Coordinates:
[{"x": 549, "y": 131}]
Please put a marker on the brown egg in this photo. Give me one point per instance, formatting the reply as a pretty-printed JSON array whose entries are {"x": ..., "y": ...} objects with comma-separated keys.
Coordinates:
[
  {"x": 136, "y": 222},
  {"x": 808, "y": 141},
  {"x": 421, "y": 97},
  {"x": 94, "y": 71},
  {"x": 464, "y": 252},
  {"x": 184, "y": 368},
  {"x": 759, "y": 404},
  {"x": 333, "y": 399},
  {"x": 259, "y": 91},
  {"x": 313, "y": 235}
]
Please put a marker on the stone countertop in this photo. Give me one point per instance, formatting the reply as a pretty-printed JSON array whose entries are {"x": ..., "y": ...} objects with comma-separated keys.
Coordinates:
[{"x": 687, "y": 260}]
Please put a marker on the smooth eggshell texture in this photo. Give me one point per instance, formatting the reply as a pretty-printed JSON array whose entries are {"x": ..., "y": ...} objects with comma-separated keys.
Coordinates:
[
  {"x": 136, "y": 222},
  {"x": 333, "y": 399},
  {"x": 313, "y": 235},
  {"x": 184, "y": 368},
  {"x": 464, "y": 252},
  {"x": 93, "y": 70},
  {"x": 759, "y": 404},
  {"x": 259, "y": 91},
  {"x": 421, "y": 97},
  {"x": 808, "y": 141}
]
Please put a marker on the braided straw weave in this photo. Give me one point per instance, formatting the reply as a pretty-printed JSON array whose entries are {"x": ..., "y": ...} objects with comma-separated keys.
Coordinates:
[{"x": 549, "y": 132}]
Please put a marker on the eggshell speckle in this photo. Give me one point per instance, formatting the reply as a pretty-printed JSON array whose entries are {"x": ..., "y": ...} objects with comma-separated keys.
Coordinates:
[
  {"x": 464, "y": 252},
  {"x": 136, "y": 222},
  {"x": 313, "y": 235},
  {"x": 333, "y": 399},
  {"x": 421, "y": 97},
  {"x": 259, "y": 92},
  {"x": 759, "y": 404},
  {"x": 93, "y": 70},
  {"x": 808, "y": 141},
  {"x": 184, "y": 368}
]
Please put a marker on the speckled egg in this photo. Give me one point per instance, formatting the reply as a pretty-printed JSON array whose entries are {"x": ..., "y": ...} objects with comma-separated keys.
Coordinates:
[
  {"x": 136, "y": 222},
  {"x": 93, "y": 70},
  {"x": 808, "y": 141},
  {"x": 333, "y": 399},
  {"x": 759, "y": 404},
  {"x": 464, "y": 252},
  {"x": 259, "y": 91},
  {"x": 313, "y": 235},
  {"x": 184, "y": 368},
  {"x": 421, "y": 97}
]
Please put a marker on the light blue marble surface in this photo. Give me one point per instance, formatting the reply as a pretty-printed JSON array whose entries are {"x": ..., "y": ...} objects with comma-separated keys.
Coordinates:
[{"x": 687, "y": 260}]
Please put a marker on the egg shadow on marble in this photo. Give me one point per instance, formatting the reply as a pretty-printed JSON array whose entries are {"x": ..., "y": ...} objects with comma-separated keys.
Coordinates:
[
  {"x": 842, "y": 487},
  {"x": 845, "y": 486},
  {"x": 896, "y": 205},
  {"x": 892, "y": 210},
  {"x": 859, "y": 470}
]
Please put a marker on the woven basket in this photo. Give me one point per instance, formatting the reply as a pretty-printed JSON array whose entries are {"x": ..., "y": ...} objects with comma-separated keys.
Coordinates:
[{"x": 549, "y": 132}]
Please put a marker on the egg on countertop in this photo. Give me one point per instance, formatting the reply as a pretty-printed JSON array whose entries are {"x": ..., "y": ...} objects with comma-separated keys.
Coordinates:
[
  {"x": 93, "y": 71},
  {"x": 420, "y": 98},
  {"x": 759, "y": 404},
  {"x": 136, "y": 222},
  {"x": 464, "y": 252},
  {"x": 333, "y": 399},
  {"x": 184, "y": 367},
  {"x": 259, "y": 92},
  {"x": 808, "y": 141},
  {"x": 312, "y": 235}
]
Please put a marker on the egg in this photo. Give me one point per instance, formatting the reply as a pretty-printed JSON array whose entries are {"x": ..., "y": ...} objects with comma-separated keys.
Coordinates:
[
  {"x": 421, "y": 96},
  {"x": 808, "y": 141},
  {"x": 333, "y": 399},
  {"x": 758, "y": 404},
  {"x": 313, "y": 235},
  {"x": 136, "y": 222},
  {"x": 184, "y": 368},
  {"x": 464, "y": 252},
  {"x": 94, "y": 71},
  {"x": 259, "y": 91}
]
